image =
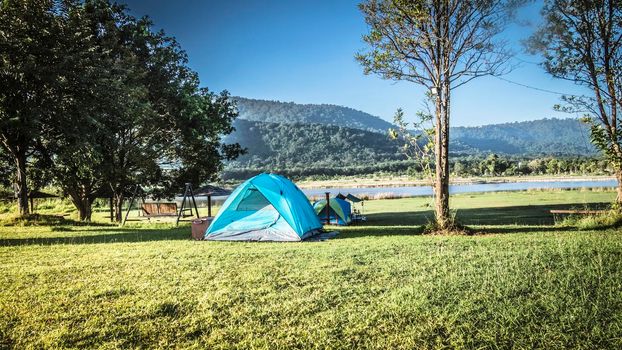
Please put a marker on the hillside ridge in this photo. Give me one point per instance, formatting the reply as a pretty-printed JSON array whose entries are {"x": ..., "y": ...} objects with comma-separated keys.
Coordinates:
[
  {"x": 327, "y": 114},
  {"x": 286, "y": 135}
]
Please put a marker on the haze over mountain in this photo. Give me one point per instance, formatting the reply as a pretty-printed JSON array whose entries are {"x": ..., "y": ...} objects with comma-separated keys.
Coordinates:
[{"x": 286, "y": 135}]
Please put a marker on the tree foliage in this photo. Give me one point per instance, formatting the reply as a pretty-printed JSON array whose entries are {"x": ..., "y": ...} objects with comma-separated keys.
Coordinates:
[
  {"x": 581, "y": 41},
  {"x": 31, "y": 83},
  {"x": 417, "y": 143},
  {"x": 435, "y": 42},
  {"x": 439, "y": 44},
  {"x": 131, "y": 113}
]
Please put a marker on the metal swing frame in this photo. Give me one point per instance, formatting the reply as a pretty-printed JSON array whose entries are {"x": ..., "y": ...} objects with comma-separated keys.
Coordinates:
[{"x": 188, "y": 194}]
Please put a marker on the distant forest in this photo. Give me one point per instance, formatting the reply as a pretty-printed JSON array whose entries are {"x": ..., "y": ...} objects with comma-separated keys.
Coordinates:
[
  {"x": 315, "y": 140},
  {"x": 289, "y": 112},
  {"x": 560, "y": 137},
  {"x": 284, "y": 145}
]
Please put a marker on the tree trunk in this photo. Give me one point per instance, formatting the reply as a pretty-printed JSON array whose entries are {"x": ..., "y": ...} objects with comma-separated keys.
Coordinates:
[
  {"x": 83, "y": 203},
  {"x": 86, "y": 213},
  {"x": 618, "y": 152},
  {"x": 22, "y": 185},
  {"x": 441, "y": 183},
  {"x": 84, "y": 209},
  {"x": 118, "y": 206},
  {"x": 619, "y": 188},
  {"x": 111, "y": 210}
]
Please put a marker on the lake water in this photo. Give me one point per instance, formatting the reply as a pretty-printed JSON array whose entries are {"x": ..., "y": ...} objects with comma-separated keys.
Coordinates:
[{"x": 413, "y": 191}]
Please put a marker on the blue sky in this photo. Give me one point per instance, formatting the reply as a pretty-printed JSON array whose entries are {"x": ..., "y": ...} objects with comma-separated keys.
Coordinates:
[{"x": 303, "y": 51}]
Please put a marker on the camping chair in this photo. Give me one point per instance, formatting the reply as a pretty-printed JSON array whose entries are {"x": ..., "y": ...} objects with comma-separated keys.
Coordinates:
[{"x": 357, "y": 217}]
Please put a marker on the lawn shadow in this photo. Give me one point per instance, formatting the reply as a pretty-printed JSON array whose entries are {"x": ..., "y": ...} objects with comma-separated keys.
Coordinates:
[
  {"x": 511, "y": 215},
  {"x": 527, "y": 215},
  {"x": 499, "y": 220},
  {"x": 104, "y": 235},
  {"x": 510, "y": 219},
  {"x": 520, "y": 229},
  {"x": 47, "y": 220}
]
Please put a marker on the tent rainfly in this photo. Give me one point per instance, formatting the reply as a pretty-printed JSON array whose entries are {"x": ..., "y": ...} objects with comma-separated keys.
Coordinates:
[
  {"x": 352, "y": 198},
  {"x": 340, "y": 211},
  {"x": 267, "y": 207}
]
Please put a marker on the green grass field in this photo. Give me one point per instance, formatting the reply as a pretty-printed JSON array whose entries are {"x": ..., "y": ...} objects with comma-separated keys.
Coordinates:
[{"x": 525, "y": 282}]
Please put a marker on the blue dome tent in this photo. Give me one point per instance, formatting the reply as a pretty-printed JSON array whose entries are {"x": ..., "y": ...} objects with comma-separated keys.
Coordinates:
[
  {"x": 267, "y": 207},
  {"x": 340, "y": 211}
]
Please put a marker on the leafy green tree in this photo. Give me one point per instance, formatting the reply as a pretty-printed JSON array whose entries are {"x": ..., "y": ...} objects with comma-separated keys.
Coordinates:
[
  {"x": 522, "y": 168},
  {"x": 581, "y": 41},
  {"x": 32, "y": 72},
  {"x": 562, "y": 166},
  {"x": 91, "y": 92},
  {"x": 494, "y": 165},
  {"x": 536, "y": 166},
  {"x": 166, "y": 132},
  {"x": 107, "y": 102},
  {"x": 460, "y": 169},
  {"x": 442, "y": 45},
  {"x": 552, "y": 167}
]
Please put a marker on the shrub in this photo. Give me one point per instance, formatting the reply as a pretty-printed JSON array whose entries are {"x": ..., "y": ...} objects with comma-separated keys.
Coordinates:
[{"x": 608, "y": 219}]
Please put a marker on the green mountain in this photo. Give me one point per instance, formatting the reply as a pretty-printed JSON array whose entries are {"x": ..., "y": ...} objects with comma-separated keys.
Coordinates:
[
  {"x": 309, "y": 149},
  {"x": 289, "y": 112},
  {"x": 537, "y": 137},
  {"x": 327, "y": 139}
]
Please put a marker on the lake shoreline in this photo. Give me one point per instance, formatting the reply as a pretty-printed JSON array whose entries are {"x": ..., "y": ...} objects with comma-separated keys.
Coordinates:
[{"x": 406, "y": 182}]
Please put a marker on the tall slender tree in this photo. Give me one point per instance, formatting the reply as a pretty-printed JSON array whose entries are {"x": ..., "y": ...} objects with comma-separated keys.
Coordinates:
[
  {"x": 581, "y": 41},
  {"x": 442, "y": 45}
]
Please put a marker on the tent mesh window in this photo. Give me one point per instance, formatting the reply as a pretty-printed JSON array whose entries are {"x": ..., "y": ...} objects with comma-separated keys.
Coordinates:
[{"x": 253, "y": 200}]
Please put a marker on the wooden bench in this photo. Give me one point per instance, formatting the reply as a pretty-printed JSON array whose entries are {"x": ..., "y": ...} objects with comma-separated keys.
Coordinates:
[
  {"x": 159, "y": 209},
  {"x": 582, "y": 212}
]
